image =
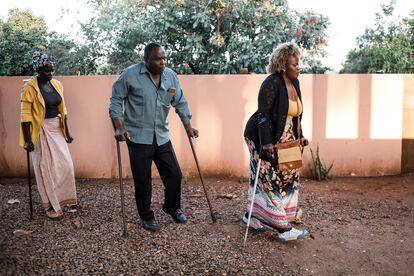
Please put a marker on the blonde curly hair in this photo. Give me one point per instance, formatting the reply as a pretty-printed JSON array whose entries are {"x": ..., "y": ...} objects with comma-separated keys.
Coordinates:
[{"x": 279, "y": 58}]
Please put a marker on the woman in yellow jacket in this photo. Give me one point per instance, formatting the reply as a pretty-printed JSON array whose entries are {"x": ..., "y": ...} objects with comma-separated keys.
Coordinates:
[{"x": 44, "y": 131}]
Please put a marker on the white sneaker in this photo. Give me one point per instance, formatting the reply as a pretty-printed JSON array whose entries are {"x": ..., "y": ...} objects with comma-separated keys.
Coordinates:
[
  {"x": 254, "y": 223},
  {"x": 292, "y": 234}
]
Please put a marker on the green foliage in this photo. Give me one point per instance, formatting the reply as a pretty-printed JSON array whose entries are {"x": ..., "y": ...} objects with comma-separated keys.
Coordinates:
[
  {"x": 208, "y": 36},
  {"x": 201, "y": 36},
  {"x": 20, "y": 35},
  {"x": 23, "y": 33},
  {"x": 71, "y": 58},
  {"x": 319, "y": 172},
  {"x": 386, "y": 48}
]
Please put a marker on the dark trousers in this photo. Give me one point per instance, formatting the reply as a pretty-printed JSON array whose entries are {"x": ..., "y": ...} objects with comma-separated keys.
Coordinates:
[{"x": 141, "y": 157}]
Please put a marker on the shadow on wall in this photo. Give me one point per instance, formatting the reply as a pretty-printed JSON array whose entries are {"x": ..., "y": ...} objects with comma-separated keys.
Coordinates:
[{"x": 360, "y": 129}]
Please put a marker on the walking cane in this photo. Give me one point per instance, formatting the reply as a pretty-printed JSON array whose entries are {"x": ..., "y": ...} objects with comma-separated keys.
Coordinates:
[
  {"x": 29, "y": 178},
  {"x": 202, "y": 182},
  {"x": 251, "y": 204},
  {"x": 121, "y": 186}
]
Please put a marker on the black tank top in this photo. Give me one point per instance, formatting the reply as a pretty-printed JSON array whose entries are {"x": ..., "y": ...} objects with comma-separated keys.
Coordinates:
[{"x": 52, "y": 101}]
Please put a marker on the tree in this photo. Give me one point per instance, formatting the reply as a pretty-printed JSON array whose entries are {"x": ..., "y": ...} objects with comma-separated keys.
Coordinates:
[
  {"x": 71, "y": 59},
  {"x": 201, "y": 36},
  {"x": 23, "y": 33},
  {"x": 388, "y": 47},
  {"x": 206, "y": 36},
  {"x": 20, "y": 35}
]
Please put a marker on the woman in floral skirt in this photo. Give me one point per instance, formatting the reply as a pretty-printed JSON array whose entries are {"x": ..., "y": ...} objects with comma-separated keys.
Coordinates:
[{"x": 277, "y": 120}]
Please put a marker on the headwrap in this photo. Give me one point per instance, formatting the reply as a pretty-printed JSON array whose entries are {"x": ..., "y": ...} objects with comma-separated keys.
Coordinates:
[{"x": 41, "y": 59}]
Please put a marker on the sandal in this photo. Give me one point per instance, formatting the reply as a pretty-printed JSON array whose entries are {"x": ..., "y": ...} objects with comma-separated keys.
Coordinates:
[
  {"x": 52, "y": 214},
  {"x": 70, "y": 209}
]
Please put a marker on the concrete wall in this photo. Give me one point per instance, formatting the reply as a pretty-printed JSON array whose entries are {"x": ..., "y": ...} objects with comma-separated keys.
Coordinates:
[
  {"x": 358, "y": 121},
  {"x": 407, "y": 159}
]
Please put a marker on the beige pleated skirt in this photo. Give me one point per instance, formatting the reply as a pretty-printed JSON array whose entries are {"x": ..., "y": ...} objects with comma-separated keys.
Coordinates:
[{"x": 53, "y": 167}]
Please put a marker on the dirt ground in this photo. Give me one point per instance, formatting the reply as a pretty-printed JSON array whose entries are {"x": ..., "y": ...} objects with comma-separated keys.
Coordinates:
[{"x": 358, "y": 226}]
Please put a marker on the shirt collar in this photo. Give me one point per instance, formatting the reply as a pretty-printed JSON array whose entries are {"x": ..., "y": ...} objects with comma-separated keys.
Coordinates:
[{"x": 144, "y": 68}]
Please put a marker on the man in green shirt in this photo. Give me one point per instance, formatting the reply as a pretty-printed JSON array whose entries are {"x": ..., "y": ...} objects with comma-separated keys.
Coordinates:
[{"x": 141, "y": 98}]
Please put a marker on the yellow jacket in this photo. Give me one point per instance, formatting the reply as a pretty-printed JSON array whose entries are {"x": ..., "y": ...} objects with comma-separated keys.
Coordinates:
[{"x": 33, "y": 108}]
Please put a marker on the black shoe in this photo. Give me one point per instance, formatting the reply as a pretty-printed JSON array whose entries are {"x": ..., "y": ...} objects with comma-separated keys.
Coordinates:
[
  {"x": 151, "y": 225},
  {"x": 177, "y": 215}
]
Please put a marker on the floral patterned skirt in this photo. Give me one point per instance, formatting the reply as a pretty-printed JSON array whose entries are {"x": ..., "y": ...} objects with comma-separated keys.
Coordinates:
[{"x": 276, "y": 199}]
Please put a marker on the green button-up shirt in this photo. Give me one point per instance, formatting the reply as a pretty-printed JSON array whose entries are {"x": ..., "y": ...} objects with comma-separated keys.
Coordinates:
[{"x": 144, "y": 107}]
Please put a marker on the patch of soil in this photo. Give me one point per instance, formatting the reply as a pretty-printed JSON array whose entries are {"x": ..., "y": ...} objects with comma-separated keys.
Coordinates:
[{"x": 358, "y": 226}]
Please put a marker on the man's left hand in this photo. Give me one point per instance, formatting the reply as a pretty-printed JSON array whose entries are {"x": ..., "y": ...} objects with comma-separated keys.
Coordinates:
[{"x": 191, "y": 132}]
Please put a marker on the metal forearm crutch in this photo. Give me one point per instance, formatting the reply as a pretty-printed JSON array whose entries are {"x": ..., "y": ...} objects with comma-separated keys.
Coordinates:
[
  {"x": 202, "y": 182},
  {"x": 256, "y": 178},
  {"x": 252, "y": 201},
  {"x": 29, "y": 178},
  {"x": 121, "y": 186}
]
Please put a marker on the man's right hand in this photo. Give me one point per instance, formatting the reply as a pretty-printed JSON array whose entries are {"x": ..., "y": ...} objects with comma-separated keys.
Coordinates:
[
  {"x": 28, "y": 146},
  {"x": 121, "y": 134}
]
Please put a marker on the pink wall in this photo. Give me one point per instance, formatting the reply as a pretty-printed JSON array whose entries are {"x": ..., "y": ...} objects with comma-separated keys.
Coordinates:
[{"x": 356, "y": 120}]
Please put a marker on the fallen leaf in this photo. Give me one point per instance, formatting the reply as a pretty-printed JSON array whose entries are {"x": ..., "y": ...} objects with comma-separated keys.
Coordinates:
[
  {"x": 228, "y": 196},
  {"x": 21, "y": 233},
  {"x": 13, "y": 201},
  {"x": 77, "y": 224}
]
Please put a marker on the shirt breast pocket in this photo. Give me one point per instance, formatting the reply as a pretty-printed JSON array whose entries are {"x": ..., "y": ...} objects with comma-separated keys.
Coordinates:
[
  {"x": 137, "y": 93},
  {"x": 167, "y": 97},
  {"x": 137, "y": 100}
]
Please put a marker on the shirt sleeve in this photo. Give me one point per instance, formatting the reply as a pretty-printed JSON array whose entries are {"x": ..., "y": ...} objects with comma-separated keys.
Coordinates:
[
  {"x": 180, "y": 104},
  {"x": 65, "y": 111},
  {"x": 26, "y": 101},
  {"x": 119, "y": 93},
  {"x": 267, "y": 95}
]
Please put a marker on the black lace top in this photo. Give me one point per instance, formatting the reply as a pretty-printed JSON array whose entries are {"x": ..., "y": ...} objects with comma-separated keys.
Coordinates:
[{"x": 273, "y": 104}]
